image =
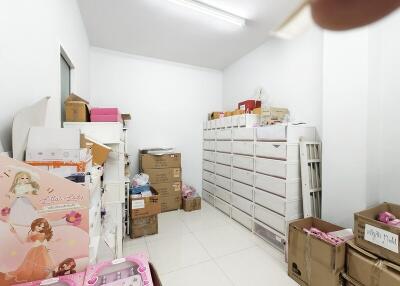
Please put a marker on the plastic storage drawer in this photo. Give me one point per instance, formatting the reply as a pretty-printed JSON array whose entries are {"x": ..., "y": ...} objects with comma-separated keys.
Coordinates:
[
  {"x": 278, "y": 168},
  {"x": 270, "y": 218},
  {"x": 270, "y": 235},
  {"x": 223, "y": 182},
  {"x": 243, "y": 190},
  {"x": 223, "y": 194},
  {"x": 209, "y": 187},
  {"x": 223, "y": 170},
  {"x": 280, "y": 187},
  {"x": 209, "y": 134},
  {"x": 209, "y": 145},
  {"x": 242, "y": 204},
  {"x": 224, "y": 134},
  {"x": 228, "y": 121},
  {"x": 243, "y": 148},
  {"x": 222, "y": 206},
  {"x": 248, "y": 120},
  {"x": 235, "y": 120},
  {"x": 224, "y": 146},
  {"x": 223, "y": 158},
  {"x": 209, "y": 156},
  {"x": 289, "y": 152},
  {"x": 243, "y": 134},
  {"x": 242, "y": 218},
  {"x": 208, "y": 197},
  {"x": 243, "y": 176},
  {"x": 243, "y": 162},
  {"x": 209, "y": 166},
  {"x": 210, "y": 177}
]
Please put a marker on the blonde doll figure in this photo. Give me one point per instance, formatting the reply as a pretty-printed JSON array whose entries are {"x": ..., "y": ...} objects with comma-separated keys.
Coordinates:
[{"x": 22, "y": 212}]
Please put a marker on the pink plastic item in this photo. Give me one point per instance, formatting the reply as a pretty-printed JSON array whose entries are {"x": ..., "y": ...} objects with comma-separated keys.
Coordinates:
[
  {"x": 388, "y": 218},
  {"x": 188, "y": 191},
  {"x": 324, "y": 236},
  {"x": 67, "y": 280},
  {"x": 109, "y": 114}
]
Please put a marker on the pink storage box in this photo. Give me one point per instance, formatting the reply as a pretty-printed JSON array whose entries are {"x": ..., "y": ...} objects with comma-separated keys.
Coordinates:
[
  {"x": 109, "y": 114},
  {"x": 133, "y": 269},
  {"x": 76, "y": 279}
]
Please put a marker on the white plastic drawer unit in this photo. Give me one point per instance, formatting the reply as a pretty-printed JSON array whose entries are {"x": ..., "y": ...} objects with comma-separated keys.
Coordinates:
[
  {"x": 223, "y": 158},
  {"x": 290, "y": 133},
  {"x": 243, "y": 134},
  {"x": 228, "y": 122},
  {"x": 209, "y": 145},
  {"x": 208, "y": 176},
  {"x": 209, "y": 187},
  {"x": 223, "y": 170},
  {"x": 208, "y": 197},
  {"x": 243, "y": 148},
  {"x": 223, "y": 194},
  {"x": 243, "y": 162},
  {"x": 224, "y": 134},
  {"x": 209, "y": 156},
  {"x": 223, "y": 182},
  {"x": 277, "y": 150},
  {"x": 224, "y": 146},
  {"x": 235, "y": 120},
  {"x": 281, "y": 187},
  {"x": 270, "y": 218},
  {"x": 213, "y": 124},
  {"x": 223, "y": 206},
  {"x": 209, "y": 134},
  {"x": 209, "y": 166},
  {"x": 114, "y": 192},
  {"x": 242, "y": 218},
  {"x": 278, "y": 168},
  {"x": 249, "y": 120},
  {"x": 243, "y": 190},
  {"x": 243, "y": 176},
  {"x": 290, "y": 209},
  {"x": 242, "y": 204},
  {"x": 270, "y": 235}
]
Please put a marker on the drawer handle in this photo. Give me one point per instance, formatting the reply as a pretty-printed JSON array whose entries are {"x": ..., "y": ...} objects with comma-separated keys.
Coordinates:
[{"x": 277, "y": 146}]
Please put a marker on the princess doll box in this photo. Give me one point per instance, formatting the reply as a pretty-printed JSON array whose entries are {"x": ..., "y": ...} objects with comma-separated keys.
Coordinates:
[
  {"x": 43, "y": 224},
  {"x": 76, "y": 279}
]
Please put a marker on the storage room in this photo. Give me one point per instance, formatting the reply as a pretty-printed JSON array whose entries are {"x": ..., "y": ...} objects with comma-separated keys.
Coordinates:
[{"x": 199, "y": 142}]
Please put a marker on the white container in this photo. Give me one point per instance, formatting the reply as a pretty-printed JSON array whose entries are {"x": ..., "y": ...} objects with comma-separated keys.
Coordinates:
[
  {"x": 208, "y": 197},
  {"x": 209, "y": 134},
  {"x": 103, "y": 132},
  {"x": 281, "y": 187},
  {"x": 228, "y": 122},
  {"x": 223, "y": 158},
  {"x": 242, "y": 204},
  {"x": 243, "y": 134},
  {"x": 249, "y": 120},
  {"x": 223, "y": 170},
  {"x": 270, "y": 218},
  {"x": 235, "y": 120},
  {"x": 114, "y": 192},
  {"x": 209, "y": 156},
  {"x": 278, "y": 150},
  {"x": 243, "y": 190},
  {"x": 290, "y": 209},
  {"x": 209, "y": 177},
  {"x": 223, "y": 182},
  {"x": 289, "y": 133},
  {"x": 278, "y": 168},
  {"x": 243, "y": 148},
  {"x": 243, "y": 176},
  {"x": 209, "y": 187},
  {"x": 209, "y": 145},
  {"x": 209, "y": 166},
  {"x": 242, "y": 218},
  {"x": 219, "y": 123},
  {"x": 224, "y": 134},
  {"x": 243, "y": 162},
  {"x": 224, "y": 146},
  {"x": 222, "y": 206},
  {"x": 223, "y": 194}
]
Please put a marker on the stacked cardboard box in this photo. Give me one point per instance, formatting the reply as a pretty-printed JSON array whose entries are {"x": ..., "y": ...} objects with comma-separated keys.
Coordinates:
[{"x": 165, "y": 177}]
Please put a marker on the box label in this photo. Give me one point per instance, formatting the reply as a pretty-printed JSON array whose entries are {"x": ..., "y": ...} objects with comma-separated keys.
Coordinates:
[
  {"x": 382, "y": 238},
  {"x": 137, "y": 204}
]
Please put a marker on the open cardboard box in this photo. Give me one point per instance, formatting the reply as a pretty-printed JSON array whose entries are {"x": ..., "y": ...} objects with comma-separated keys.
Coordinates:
[
  {"x": 376, "y": 237},
  {"x": 145, "y": 206},
  {"x": 312, "y": 261}
]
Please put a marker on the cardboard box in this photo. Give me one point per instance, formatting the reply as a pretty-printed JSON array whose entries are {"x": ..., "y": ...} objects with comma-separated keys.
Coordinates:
[
  {"x": 170, "y": 195},
  {"x": 249, "y": 105},
  {"x": 368, "y": 269},
  {"x": 238, "y": 112},
  {"x": 145, "y": 206},
  {"x": 376, "y": 237},
  {"x": 76, "y": 109},
  {"x": 215, "y": 115},
  {"x": 271, "y": 114},
  {"x": 143, "y": 226},
  {"x": 64, "y": 169},
  {"x": 99, "y": 151},
  {"x": 314, "y": 262},
  {"x": 191, "y": 204},
  {"x": 149, "y": 161},
  {"x": 168, "y": 175},
  {"x": 108, "y": 114},
  {"x": 228, "y": 113},
  {"x": 257, "y": 111}
]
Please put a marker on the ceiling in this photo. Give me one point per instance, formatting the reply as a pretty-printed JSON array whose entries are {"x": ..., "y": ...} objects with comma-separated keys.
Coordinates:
[{"x": 164, "y": 30}]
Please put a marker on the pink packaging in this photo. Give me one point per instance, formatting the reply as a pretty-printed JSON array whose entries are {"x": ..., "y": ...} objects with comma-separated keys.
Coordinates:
[
  {"x": 106, "y": 114},
  {"x": 76, "y": 279},
  {"x": 104, "y": 111},
  {"x": 132, "y": 270},
  {"x": 44, "y": 224}
]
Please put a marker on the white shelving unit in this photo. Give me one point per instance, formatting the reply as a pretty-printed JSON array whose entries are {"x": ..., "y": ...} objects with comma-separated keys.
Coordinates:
[
  {"x": 252, "y": 174},
  {"x": 114, "y": 186}
]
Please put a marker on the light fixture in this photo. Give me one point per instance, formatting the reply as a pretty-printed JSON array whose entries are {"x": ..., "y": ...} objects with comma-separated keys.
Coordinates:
[
  {"x": 298, "y": 22},
  {"x": 211, "y": 11}
]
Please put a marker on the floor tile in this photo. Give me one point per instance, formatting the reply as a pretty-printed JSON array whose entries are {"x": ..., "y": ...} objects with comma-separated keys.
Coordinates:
[
  {"x": 197, "y": 221},
  {"x": 203, "y": 274},
  {"x": 136, "y": 248},
  {"x": 255, "y": 266},
  {"x": 173, "y": 253},
  {"x": 169, "y": 225}
]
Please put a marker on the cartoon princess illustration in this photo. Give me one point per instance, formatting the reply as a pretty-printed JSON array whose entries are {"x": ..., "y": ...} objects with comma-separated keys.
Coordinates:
[
  {"x": 37, "y": 263},
  {"x": 65, "y": 268},
  {"x": 22, "y": 212}
]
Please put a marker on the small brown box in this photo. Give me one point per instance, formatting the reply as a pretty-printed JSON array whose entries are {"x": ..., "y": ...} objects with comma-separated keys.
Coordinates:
[
  {"x": 376, "y": 237},
  {"x": 145, "y": 206},
  {"x": 312, "y": 261},
  {"x": 191, "y": 204},
  {"x": 143, "y": 226},
  {"x": 149, "y": 161},
  {"x": 76, "y": 109},
  {"x": 169, "y": 195},
  {"x": 168, "y": 175}
]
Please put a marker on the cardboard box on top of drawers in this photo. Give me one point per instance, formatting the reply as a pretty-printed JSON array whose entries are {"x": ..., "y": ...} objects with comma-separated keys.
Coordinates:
[
  {"x": 76, "y": 109},
  {"x": 150, "y": 161},
  {"x": 169, "y": 195},
  {"x": 168, "y": 175}
]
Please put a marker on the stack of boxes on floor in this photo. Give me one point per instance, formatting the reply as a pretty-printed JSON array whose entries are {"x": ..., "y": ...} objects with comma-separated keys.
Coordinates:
[
  {"x": 165, "y": 175},
  {"x": 372, "y": 258}
]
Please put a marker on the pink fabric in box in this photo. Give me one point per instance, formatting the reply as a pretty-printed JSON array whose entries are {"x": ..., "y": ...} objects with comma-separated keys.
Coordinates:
[{"x": 104, "y": 111}]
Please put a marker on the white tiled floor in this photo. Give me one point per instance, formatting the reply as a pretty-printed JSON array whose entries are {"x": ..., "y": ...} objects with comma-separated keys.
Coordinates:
[{"x": 206, "y": 248}]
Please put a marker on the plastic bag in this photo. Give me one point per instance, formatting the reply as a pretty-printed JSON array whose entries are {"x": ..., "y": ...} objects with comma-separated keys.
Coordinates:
[{"x": 140, "y": 180}]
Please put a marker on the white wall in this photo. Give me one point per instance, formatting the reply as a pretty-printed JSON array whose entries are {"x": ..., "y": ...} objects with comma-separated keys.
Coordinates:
[
  {"x": 289, "y": 71},
  {"x": 168, "y": 103},
  {"x": 31, "y": 35}
]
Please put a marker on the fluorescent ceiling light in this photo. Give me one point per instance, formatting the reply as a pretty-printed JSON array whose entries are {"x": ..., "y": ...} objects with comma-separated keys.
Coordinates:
[
  {"x": 211, "y": 11},
  {"x": 296, "y": 23}
]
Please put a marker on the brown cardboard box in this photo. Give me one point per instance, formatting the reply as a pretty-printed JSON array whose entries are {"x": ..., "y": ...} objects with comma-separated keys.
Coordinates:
[
  {"x": 76, "y": 109},
  {"x": 348, "y": 281},
  {"x": 376, "y": 237},
  {"x": 168, "y": 175},
  {"x": 145, "y": 206},
  {"x": 99, "y": 151},
  {"x": 191, "y": 204},
  {"x": 238, "y": 112},
  {"x": 228, "y": 113},
  {"x": 314, "y": 262},
  {"x": 271, "y": 114},
  {"x": 143, "y": 226},
  {"x": 149, "y": 161},
  {"x": 169, "y": 195},
  {"x": 257, "y": 111}
]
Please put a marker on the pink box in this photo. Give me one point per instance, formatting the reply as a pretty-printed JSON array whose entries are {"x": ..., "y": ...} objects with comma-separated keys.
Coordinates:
[
  {"x": 76, "y": 279},
  {"x": 104, "y": 111},
  {"x": 132, "y": 270},
  {"x": 108, "y": 114}
]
